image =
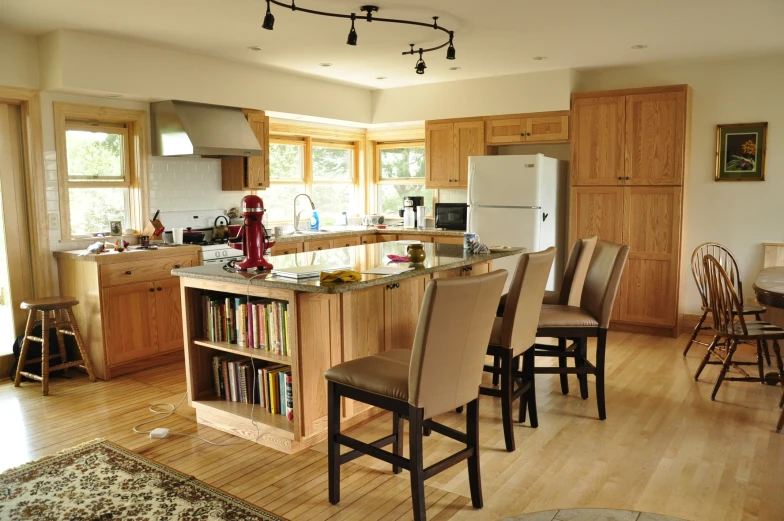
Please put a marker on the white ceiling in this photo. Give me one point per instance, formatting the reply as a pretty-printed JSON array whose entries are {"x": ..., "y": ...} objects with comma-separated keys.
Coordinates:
[{"x": 492, "y": 37}]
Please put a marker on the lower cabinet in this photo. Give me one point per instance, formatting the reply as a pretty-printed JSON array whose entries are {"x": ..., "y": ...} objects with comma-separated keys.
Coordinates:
[
  {"x": 324, "y": 244},
  {"x": 129, "y": 328},
  {"x": 287, "y": 248}
]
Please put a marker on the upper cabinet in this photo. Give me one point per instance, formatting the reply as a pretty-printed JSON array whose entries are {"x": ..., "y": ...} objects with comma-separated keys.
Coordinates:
[
  {"x": 447, "y": 148},
  {"x": 636, "y": 139},
  {"x": 249, "y": 173},
  {"x": 532, "y": 128}
]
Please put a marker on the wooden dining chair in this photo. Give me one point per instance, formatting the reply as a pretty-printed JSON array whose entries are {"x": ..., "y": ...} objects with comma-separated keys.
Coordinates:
[
  {"x": 729, "y": 322},
  {"x": 441, "y": 371},
  {"x": 730, "y": 265}
]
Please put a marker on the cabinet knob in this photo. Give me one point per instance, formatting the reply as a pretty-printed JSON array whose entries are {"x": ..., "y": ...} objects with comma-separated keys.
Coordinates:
[
  {"x": 528, "y": 134},
  {"x": 319, "y": 248},
  {"x": 176, "y": 266},
  {"x": 627, "y": 177},
  {"x": 285, "y": 252},
  {"x": 522, "y": 134},
  {"x": 152, "y": 290},
  {"x": 128, "y": 272},
  {"x": 620, "y": 178},
  {"x": 159, "y": 288},
  {"x": 261, "y": 184}
]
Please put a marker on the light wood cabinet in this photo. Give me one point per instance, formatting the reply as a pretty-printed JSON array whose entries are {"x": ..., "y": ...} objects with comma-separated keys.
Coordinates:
[
  {"x": 628, "y": 161},
  {"x": 168, "y": 314},
  {"x": 507, "y": 130},
  {"x": 324, "y": 244},
  {"x": 367, "y": 239},
  {"x": 401, "y": 311},
  {"x": 447, "y": 148},
  {"x": 287, "y": 248},
  {"x": 249, "y": 173},
  {"x": 129, "y": 329},
  {"x": 345, "y": 242},
  {"x": 470, "y": 142}
]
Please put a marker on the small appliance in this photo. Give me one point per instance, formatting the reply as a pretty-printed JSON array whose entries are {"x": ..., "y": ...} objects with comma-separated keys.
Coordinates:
[
  {"x": 412, "y": 201},
  {"x": 372, "y": 220},
  {"x": 452, "y": 216},
  {"x": 255, "y": 240}
]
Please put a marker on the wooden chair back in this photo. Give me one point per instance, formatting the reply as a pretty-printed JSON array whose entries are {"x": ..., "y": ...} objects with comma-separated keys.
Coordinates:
[
  {"x": 725, "y": 259},
  {"x": 725, "y": 307}
]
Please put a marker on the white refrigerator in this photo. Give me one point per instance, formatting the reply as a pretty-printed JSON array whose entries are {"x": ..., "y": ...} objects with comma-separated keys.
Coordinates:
[{"x": 518, "y": 201}]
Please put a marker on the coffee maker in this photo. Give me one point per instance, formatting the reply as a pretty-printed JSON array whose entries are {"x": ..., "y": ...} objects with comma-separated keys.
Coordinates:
[
  {"x": 412, "y": 201},
  {"x": 253, "y": 236}
]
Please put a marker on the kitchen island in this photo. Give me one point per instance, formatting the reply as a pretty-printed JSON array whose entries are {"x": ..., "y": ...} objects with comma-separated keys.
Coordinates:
[{"x": 326, "y": 323}]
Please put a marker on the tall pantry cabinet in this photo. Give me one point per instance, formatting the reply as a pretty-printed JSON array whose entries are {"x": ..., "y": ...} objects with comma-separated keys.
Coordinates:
[{"x": 629, "y": 153}]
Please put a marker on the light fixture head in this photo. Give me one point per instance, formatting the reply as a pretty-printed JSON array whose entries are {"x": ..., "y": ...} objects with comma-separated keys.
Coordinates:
[
  {"x": 352, "y": 34},
  {"x": 325, "y": 64},
  {"x": 450, "y": 51},
  {"x": 639, "y": 47},
  {"x": 254, "y": 48},
  {"x": 455, "y": 68},
  {"x": 539, "y": 58},
  {"x": 269, "y": 20},
  {"x": 420, "y": 64},
  {"x": 381, "y": 77}
]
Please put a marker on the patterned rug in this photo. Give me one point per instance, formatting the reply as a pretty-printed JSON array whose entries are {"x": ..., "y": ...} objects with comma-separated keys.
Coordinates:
[{"x": 100, "y": 481}]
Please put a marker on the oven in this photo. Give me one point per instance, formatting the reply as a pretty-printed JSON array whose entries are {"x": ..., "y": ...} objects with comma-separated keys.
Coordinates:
[{"x": 452, "y": 216}]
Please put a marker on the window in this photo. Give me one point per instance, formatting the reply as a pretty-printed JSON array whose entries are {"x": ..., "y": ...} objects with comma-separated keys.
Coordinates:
[
  {"x": 324, "y": 171},
  {"x": 96, "y": 167},
  {"x": 400, "y": 171}
]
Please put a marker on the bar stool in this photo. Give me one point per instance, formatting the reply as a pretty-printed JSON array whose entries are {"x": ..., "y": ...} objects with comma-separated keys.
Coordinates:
[{"x": 55, "y": 313}]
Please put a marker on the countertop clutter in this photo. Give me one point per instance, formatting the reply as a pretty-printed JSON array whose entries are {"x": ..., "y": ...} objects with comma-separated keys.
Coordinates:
[
  {"x": 129, "y": 255},
  {"x": 439, "y": 257},
  {"x": 363, "y": 230}
]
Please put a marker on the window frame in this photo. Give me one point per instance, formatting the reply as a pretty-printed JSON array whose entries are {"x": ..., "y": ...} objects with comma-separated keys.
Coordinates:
[
  {"x": 71, "y": 116},
  {"x": 378, "y": 180},
  {"x": 107, "y": 182}
]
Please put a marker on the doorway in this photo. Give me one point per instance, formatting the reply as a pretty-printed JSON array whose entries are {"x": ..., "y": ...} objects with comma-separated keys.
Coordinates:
[{"x": 15, "y": 270}]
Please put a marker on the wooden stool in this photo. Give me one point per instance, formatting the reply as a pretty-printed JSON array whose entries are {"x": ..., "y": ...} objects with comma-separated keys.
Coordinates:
[{"x": 55, "y": 312}]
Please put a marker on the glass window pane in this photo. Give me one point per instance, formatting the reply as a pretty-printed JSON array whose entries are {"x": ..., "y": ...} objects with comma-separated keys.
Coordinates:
[
  {"x": 287, "y": 161},
  {"x": 279, "y": 202},
  {"x": 332, "y": 199},
  {"x": 402, "y": 163},
  {"x": 92, "y": 209},
  {"x": 94, "y": 155},
  {"x": 390, "y": 197},
  {"x": 332, "y": 164}
]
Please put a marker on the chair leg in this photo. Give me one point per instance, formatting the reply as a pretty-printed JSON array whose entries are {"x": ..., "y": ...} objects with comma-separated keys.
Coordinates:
[
  {"x": 80, "y": 343},
  {"x": 497, "y": 365},
  {"x": 415, "y": 419},
  {"x": 696, "y": 332},
  {"x": 779, "y": 363},
  {"x": 601, "y": 344},
  {"x": 562, "y": 364},
  {"x": 582, "y": 355},
  {"x": 45, "y": 321},
  {"x": 474, "y": 475},
  {"x": 58, "y": 324},
  {"x": 333, "y": 447},
  {"x": 528, "y": 400},
  {"x": 459, "y": 410},
  {"x": 724, "y": 368},
  {"x": 507, "y": 387},
  {"x": 397, "y": 446},
  {"x": 760, "y": 362},
  {"x": 31, "y": 316},
  {"x": 426, "y": 431},
  {"x": 758, "y": 316},
  {"x": 707, "y": 357}
]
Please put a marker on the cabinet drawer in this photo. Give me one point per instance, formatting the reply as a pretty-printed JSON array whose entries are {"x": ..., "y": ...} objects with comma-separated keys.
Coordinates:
[
  {"x": 447, "y": 239},
  {"x": 344, "y": 242},
  {"x": 286, "y": 248},
  {"x": 318, "y": 245},
  {"x": 131, "y": 272},
  {"x": 415, "y": 237}
]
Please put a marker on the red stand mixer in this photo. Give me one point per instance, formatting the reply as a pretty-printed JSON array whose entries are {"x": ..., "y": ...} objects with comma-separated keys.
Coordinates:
[{"x": 255, "y": 240}]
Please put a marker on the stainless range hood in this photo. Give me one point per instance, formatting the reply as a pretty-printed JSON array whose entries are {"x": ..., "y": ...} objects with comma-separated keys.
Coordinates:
[{"x": 182, "y": 128}]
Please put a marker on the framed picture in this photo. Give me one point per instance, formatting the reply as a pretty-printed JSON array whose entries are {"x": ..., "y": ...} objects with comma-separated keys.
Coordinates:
[
  {"x": 115, "y": 228},
  {"x": 740, "y": 152}
]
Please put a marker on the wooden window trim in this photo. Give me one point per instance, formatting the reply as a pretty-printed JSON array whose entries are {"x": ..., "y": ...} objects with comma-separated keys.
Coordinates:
[
  {"x": 125, "y": 181},
  {"x": 308, "y": 142},
  {"x": 136, "y": 123},
  {"x": 377, "y": 170}
]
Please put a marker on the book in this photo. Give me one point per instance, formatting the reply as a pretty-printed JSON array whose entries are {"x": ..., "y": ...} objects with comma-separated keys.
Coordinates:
[
  {"x": 242, "y": 323},
  {"x": 289, "y": 397},
  {"x": 233, "y": 380},
  {"x": 251, "y": 323}
]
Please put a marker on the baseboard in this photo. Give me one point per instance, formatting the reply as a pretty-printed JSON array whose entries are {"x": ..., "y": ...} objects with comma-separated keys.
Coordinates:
[{"x": 689, "y": 322}]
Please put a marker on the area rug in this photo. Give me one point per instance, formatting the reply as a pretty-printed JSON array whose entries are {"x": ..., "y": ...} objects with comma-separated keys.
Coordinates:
[{"x": 99, "y": 481}]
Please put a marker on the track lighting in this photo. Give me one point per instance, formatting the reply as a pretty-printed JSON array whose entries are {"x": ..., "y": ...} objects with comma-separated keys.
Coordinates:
[
  {"x": 352, "y": 34},
  {"x": 450, "y": 52},
  {"x": 269, "y": 20},
  {"x": 420, "y": 64}
]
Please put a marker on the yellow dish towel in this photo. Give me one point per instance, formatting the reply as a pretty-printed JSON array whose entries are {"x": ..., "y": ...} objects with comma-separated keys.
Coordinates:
[{"x": 340, "y": 276}]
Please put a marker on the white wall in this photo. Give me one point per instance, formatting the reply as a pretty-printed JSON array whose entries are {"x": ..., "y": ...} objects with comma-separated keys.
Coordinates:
[
  {"x": 533, "y": 92},
  {"x": 739, "y": 215},
  {"x": 18, "y": 60}
]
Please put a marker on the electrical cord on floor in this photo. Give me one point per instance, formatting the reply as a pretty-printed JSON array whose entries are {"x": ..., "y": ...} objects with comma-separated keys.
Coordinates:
[{"x": 160, "y": 409}]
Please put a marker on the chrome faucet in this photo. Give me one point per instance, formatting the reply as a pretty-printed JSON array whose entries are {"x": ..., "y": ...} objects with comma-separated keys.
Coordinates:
[{"x": 296, "y": 214}]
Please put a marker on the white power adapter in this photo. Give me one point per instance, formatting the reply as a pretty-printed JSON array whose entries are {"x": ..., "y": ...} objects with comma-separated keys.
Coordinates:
[{"x": 160, "y": 432}]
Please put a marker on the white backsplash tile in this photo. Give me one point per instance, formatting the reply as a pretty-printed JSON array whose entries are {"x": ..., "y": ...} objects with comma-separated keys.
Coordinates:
[{"x": 453, "y": 195}]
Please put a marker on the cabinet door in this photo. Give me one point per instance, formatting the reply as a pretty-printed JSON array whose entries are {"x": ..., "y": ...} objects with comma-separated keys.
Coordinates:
[
  {"x": 505, "y": 131},
  {"x": 448, "y": 274},
  {"x": 386, "y": 237},
  {"x": 655, "y": 142},
  {"x": 470, "y": 142},
  {"x": 258, "y": 166},
  {"x": 367, "y": 239},
  {"x": 481, "y": 268},
  {"x": 168, "y": 314},
  {"x": 129, "y": 322},
  {"x": 547, "y": 128},
  {"x": 286, "y": 248},
  {"x": 598, "y": 211},
  {"x": 652, "y": 231},
  {"x": 344, "y": 242},
  {"x": 401, "y": 312},
  {"x": 440, "y": 158},
  {"x": 318, "y": 245},
  {"x": 415, "y": 237},
  {"x": 598, "y": 141}
]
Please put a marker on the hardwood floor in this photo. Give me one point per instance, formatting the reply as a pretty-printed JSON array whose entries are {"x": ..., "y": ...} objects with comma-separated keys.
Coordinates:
[{"x": 665, "y": 447}]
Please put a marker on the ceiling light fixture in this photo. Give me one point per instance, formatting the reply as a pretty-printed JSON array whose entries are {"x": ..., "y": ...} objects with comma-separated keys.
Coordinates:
[
  {"x": 639, "y": 46},
  {"x": 540, "y": 58},
  {"x": 269, "y": 22},
  {"x": 254, "y": 48},
  {"x": 381, "y": 77},
  {"x": 325, "y": 65},
  {"x": 455, "y": 68}
]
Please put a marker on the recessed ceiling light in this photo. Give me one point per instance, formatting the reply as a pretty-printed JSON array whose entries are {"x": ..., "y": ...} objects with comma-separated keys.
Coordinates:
[
  {"x": 539, "y": 58},
  {"x": 254, "y": 48},
  {"x": 455, "y": 68},
  {"x": 325, "y": 64},
  {"x": 639, "y": 46},
  {"x": 381, "y": 77},
  {"x": 113, "y": 96}
]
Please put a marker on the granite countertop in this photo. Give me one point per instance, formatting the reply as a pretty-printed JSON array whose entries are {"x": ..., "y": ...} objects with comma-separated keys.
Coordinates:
[
  {"x": 363, "y": 230},
  {"x": 129, "y": 255},
  {"x": 440, "y": 257}
]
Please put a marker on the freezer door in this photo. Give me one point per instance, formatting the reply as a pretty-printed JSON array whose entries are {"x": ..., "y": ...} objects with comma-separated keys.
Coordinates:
[
  {"x": 504, "y": 181},
  {"x": 507, "y": 227}
]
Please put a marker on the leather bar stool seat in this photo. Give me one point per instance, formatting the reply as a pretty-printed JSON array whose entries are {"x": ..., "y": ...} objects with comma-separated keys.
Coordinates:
[
  {"x": 385, "y": 373},
  {"x": 558, "y": 316}
]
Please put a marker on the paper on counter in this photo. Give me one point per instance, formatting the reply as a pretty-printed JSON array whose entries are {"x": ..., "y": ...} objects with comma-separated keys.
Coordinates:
[{"x": 387, "y": 270}]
